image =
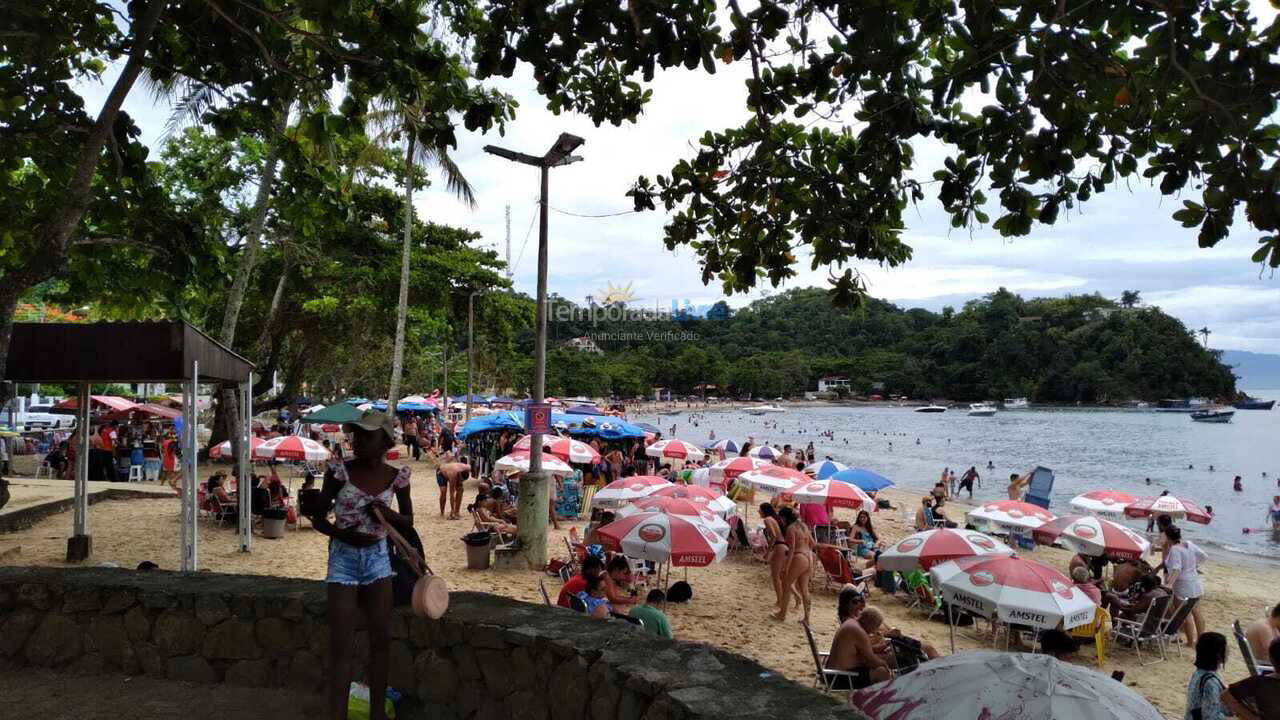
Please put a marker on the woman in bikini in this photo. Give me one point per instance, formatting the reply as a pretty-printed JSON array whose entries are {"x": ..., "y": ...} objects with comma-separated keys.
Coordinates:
[
  {"x": 777, "y": 553},
  {"x": 800, "y": 565},
  {"x": 359, "y": 564}
]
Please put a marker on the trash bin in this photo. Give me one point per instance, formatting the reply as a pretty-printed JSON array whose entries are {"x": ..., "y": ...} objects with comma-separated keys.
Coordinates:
[
  {"x": 478, "y": 544},
  {"x": 273, "y": 520}
]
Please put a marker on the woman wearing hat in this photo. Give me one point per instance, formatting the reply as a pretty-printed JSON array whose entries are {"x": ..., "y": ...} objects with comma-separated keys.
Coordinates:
[{"x": 359, "y": 563}]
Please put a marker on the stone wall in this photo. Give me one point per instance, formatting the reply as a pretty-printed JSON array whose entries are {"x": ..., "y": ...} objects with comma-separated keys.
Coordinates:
[{"x": 490, "y": 657}]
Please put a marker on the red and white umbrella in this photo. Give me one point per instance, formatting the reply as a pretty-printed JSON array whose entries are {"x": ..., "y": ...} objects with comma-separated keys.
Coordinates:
[
  {"x": 1093, "y": 536},
  {"x": 291, "y": 447},
  {"x": 923, "y": 550},
  {"x": 675, "y": 449},
  {"x": 831, "y": 493},
  {"x": 1170, "y": 505},
  {"x": 773, "y": 478},
  {"x": 1107, "y": 503},
  {"x": 1014, "y": 590},
  {"x": 519, "y": 462},
  {"x": 1011, "y": 515},
  {"x": 662, "y": 538},
  {"x": 680, "y": 507},
  {"x": 224, "y": 447},
  {"x": 565, "y": 448},
  {"x": 728, "y": 469},
  {"x": 628, "y": 489},
  {"x": 704, "y": 497}
]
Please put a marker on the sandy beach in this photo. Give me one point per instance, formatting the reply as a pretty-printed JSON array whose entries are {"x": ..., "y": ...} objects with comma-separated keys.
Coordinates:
[{"x": 731, "y": 604}]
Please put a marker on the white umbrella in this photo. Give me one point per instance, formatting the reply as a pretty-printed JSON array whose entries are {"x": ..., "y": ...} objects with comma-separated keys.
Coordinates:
[
  {"x": 661, "y": 538},
  {"x": 675, "y": 449},
  {"x": 519, "y": 462},
  {"x": 291, "y": 447},
  {"x": 709, "y": 498},
  {"x": 1014, "y": 590},
  {"x": 680, "y": 507},
  {"x": 773, "y": 478},
  {"x": 765, "y": 452},
  {"x": 925, "y": 549},
  {"x": 1012, "y": 515},
  {"x": 990, "y": 685},
  {"x": 621, "y": 492},
  {"x": 1107, "y": 503}
]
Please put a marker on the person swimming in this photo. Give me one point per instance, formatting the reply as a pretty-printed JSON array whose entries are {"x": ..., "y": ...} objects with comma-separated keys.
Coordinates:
[{"x": 1237, "y": 484}]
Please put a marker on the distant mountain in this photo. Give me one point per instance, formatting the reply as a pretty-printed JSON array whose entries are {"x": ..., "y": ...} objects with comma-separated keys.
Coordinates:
[{"x": 1255, "y": 370}]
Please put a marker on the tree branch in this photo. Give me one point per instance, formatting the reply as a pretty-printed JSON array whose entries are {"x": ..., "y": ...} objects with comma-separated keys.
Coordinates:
[{"x": 1195, "y": 86}]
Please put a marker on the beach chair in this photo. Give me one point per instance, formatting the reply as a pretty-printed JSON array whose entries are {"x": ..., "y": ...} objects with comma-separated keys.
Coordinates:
[
  {"x": 1171, "y": 627},
  {"x": 838, "y": 571},
  {"x": 489, "y": 526},
  {"x": 1255, "y": 668},
  {"x": 1096, "y": 631},
  {"x": 824, "y": 678},
  {"x": 919, "y": 593},
  {"x": 1146, "y": 630},
  {"x": 542, "y": 588}
]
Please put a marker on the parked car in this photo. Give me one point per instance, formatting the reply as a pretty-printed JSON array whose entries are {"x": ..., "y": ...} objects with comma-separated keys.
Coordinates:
[{"x": 41, "y": 417}]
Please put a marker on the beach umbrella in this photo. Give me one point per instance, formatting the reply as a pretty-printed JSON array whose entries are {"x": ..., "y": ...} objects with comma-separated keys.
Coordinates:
[
  {"x": 1107, "y": 503},
  {"x": 1012, "y": 515},
  {"x": 1170, "y": 505},
  {"x": 830, "y": 493},
  {"x": 1014, "y": 590},
  {"x": 621, "y": 492},
  {"x": 765, "y": 452},
  {"x": 519, "y": 462},
  {"x": 335, "y": 414},
  {"x": 1093, "y": 536},
  {"x": 730, "y": 468},
  {"x": 726, "y": 446},
  {"x": 679, "y": 507},
  {"x": 291, "y": 447},
  {"x": 705, "y": 497},
  {"x": 565, "y": 448},
  {"x": 923, "y": 550},
  {"x": 676, "y": 449},
  {"x": 865, "y": 480},
  {"x": 773, "y": 479},
  {"x": 992, "y": 684},
  {"x": 224, "y": 447},
  {"x": 662, "y": 538},
  {"x": 824, "y": 469}
]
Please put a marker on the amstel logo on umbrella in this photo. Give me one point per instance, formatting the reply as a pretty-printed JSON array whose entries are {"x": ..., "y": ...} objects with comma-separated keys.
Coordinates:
[
  {"x": 638, "y": 487},
  {"x": 1060, "y": 589},
  {"x": 1083, "y": 531},
  {"x": 982, "y": 578},
  {"x": 814, "y": 487},
  {"x": 651, "y": 532},
  {"x": 982, "y": 541},
  {"x": 909, "y": 544}
]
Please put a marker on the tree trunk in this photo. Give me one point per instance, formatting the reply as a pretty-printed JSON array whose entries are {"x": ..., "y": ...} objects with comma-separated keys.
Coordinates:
[
  {"x": 397, "y": 354},
  {"x": 61, "y": 225},
  {"x": 267, "y": 326}
]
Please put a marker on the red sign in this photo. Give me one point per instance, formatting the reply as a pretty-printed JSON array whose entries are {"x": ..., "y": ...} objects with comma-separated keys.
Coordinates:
[{"x": 537, "y": 419}]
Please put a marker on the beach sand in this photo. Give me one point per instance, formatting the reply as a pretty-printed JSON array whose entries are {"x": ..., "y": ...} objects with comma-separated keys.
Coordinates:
[{"x": 731, "y": 604}]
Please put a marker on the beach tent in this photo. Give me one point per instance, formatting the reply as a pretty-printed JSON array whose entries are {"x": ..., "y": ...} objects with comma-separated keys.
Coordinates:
[
  {"x": 413, "y": 403},
  {"x": 336, "y": 414},
  {"x": 110, "y": 403},
  {"x": 497, "y": 422},
  {"x": 605, "y": 427}
]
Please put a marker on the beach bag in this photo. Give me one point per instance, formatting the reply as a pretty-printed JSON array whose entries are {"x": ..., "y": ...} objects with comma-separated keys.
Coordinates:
[
  {"x": 405, "y": 577},
  {"x": 679, "y": 592},
  {"x": 430, "y": 594}
]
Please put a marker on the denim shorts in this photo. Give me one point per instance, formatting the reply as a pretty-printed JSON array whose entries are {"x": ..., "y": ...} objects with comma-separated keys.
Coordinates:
[{"x": 351, "y": 565}]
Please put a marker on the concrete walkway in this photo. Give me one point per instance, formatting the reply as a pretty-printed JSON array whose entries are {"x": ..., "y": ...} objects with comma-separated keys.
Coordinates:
[{"x": 32, "y": 500}]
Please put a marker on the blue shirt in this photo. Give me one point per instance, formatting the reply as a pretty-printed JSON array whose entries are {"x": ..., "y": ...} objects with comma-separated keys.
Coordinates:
[{"x": 1203, "y": 691}]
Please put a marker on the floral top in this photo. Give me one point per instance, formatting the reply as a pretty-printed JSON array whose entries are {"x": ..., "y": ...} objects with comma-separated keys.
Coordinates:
[
  {"x": 1203, "y": 692},
  {"x": 350, "y": 506}
]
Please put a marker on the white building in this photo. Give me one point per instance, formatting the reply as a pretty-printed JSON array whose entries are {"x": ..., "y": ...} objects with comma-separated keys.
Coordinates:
[
  {"x": 584, "y": 344},
  {"x": 830, "y": 383}
]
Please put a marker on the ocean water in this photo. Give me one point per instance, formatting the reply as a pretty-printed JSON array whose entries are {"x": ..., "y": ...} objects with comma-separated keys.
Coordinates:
[{"x": 1087, "y": 450}]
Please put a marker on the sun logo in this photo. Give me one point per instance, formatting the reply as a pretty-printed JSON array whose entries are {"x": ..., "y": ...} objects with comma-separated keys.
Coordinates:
[{"x": 616, "y": 294}]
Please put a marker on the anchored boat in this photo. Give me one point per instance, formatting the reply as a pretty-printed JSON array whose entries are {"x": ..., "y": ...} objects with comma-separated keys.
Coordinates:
[
  {"x": 1213, "y": 415},
  {"x": 982, "y": 410}
]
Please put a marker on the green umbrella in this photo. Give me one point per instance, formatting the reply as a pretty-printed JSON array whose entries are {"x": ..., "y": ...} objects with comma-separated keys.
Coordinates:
[{"x": 336, "y": 413}]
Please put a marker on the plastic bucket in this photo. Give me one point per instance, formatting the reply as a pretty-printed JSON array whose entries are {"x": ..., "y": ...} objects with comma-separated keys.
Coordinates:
[{"x": 478, "y": 544}]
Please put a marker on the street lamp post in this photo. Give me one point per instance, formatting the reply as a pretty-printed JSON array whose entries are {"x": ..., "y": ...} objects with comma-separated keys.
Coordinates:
[
  {"x": 534, "y": 502},
  {"x": 471, "y": 355}
]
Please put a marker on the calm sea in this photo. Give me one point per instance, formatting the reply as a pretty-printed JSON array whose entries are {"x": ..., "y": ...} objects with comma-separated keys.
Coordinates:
[{"x": 1086, "y": 449}]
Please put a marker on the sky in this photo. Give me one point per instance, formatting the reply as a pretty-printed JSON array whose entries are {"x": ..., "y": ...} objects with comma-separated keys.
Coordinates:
[{"x": 1121, "y": 240}]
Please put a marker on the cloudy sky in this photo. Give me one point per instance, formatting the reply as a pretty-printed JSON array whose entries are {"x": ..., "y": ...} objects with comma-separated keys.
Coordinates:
[{"x": 1123, "y": 239}]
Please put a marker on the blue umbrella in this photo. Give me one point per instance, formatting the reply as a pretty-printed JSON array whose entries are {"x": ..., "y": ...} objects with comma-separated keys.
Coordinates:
[
  {"x": 824, "y": 469},
  {"x": 728, "y": 446},
  {"x": 865, "y": 480}
]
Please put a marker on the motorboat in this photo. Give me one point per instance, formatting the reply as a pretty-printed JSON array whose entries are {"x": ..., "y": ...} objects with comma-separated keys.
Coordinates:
[
  {"x": 982, "y": 410},
  {"x": 932, "y": 409},
  {"x": 1250, "y": 403},
  {"x": 763, "y": 410},
  {"x": 1213, "y": 415},
  {"x": 1018, "y": 403},
  {"x": 1183, "y": 405}
]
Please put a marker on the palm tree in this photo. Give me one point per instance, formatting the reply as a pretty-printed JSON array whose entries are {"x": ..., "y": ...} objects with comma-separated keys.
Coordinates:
[
  {"x": 398, "y": 118},
  {"x": 1204, "y": 333},
  {"x": 1130, "y": 298}
]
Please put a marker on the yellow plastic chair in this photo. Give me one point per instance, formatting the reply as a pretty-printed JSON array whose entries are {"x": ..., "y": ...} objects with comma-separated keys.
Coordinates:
[{"x": 1097, "y": 631}]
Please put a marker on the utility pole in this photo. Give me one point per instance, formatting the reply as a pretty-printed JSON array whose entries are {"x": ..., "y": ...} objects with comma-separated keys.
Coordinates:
[
  {"x": 534, "y": 503},
  {"x": 471, "y": 354},
  {"x": 508, "y": 243},
  {"x": 446, "y": 370}
]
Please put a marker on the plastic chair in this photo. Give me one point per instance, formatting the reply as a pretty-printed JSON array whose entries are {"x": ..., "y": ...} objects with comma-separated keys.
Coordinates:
[
  {"x": 1145, "y": 631},
  {"x": 135, "y": 473},
  {"x": 1255, "y": 668},
  {"x": 542, "y": 588},
  {"x": 1097, "y": 631},
  {"x": 1170, "y": 628},
  {"x": 824, "y": 678},
  {"x": 835, "y": 565}
]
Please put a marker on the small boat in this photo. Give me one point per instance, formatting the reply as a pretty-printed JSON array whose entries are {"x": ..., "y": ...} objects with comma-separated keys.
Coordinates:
[
  {"x": 982, "y": 410},
  {"x": 932, "y": 409},
  {"x": 1213, "y": 415},
  {"x": 1250, "y": 403},
  {"x": 763, "y": 410},
  {"x": 1183, "y": 405},
  {"x": 1019, "y": 403}
]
